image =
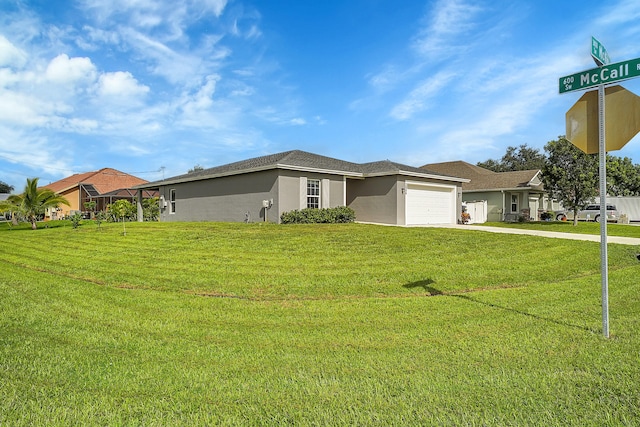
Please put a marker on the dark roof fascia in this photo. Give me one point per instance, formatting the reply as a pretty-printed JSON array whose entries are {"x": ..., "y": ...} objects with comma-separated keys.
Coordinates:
[
  {"x": 416, "y": 175},
  {"x": 350, "y": 174},
  {"x": 484, "y": 190}
]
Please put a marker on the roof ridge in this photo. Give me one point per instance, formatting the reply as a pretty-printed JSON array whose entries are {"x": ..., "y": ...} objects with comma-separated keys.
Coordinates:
[{"x": 285, "y": 154}]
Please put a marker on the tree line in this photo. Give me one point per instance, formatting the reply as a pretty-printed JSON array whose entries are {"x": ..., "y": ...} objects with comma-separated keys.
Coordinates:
[{"x": 568, "y": 174}]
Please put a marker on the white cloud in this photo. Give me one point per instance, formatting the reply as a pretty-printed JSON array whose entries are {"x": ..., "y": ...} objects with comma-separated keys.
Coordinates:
[
  {"x": 298, "y": 121},
  {"x": 418, "y": 100},
  {"x": 65, "y": 70},
  {"x": 93, "y": 39},
  {"x": 151, "y": 13},
  {"x": 202, "y": 99},
  {"x": 11, "y": 56},
  {"x": 212, "y": 6},
  {"x": 198, "y": 109},
  {"x": 624, "y": 11},
  {"x": 450, "y": 19},
  {"x": 80, "y": 125},
  {"x": 24, "y": 110},
  {"x": 34, "y": 150},
  {"x": 120, "y": 84}
]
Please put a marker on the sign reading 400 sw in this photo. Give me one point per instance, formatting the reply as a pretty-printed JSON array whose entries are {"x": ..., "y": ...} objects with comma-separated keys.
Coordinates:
[{"x": 600, "y": 76}]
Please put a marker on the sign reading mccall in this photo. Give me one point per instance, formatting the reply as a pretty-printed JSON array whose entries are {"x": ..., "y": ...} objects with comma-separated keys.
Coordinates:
[{"x": 600, "y": 76}]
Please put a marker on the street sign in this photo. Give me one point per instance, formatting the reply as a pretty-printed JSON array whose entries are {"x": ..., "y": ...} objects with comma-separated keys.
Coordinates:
[
  {"x": 622, "y": 121},
  {"x": 580, "y": 127},
  {"x": 599, "y": 53},
  {"x": 601, "y": 76}
]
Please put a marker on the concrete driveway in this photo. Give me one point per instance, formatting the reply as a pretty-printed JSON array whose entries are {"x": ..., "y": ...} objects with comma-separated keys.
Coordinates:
[{"x": 571, "y": 236}]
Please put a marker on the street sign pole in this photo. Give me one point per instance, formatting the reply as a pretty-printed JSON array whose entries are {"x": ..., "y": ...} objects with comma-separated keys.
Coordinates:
[
  {"x": 604, "y": 258},
  {"x": 604, "y": 75}
]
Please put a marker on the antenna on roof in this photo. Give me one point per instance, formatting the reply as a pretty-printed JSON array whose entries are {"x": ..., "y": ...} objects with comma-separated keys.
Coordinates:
[{"x": 162, "y": 168}]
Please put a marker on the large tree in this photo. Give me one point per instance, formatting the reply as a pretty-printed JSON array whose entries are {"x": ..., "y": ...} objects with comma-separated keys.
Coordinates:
[
  {"x": 5, "y": 188},
  {"x": 623, "y": 177},
  {"x": 34, "y": 201},
  {"x": 570, "y": 175},
  {"x": 516, "y": 159}
]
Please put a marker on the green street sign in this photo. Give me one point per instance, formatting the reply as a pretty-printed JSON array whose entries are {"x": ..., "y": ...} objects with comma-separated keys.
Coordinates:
[
  {"x": 601, "y": 76},
  {"x": 599, "y": 53}
]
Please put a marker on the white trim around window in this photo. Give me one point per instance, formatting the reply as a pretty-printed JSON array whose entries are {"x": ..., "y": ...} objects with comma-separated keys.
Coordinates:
[
  {"x": 515, "y": 202},
  {"x": 313, "y": 193}
]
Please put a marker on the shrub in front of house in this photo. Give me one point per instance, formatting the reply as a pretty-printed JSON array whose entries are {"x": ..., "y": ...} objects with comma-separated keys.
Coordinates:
[{"x": 337, "y": 215}]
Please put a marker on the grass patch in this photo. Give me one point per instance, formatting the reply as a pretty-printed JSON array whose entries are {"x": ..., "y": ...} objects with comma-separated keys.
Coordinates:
[{"x": 260, "y": 324}]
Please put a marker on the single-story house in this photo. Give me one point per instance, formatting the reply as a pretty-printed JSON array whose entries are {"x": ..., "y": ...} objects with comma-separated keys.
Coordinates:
[
  {"x": 263, "y": 188},
  {"x": 509, "y": 195},
  {"x": 103, "y": 187}
]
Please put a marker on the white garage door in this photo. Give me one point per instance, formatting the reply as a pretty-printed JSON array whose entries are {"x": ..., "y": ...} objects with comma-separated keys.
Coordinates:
[{"x": 430, "y": 204}]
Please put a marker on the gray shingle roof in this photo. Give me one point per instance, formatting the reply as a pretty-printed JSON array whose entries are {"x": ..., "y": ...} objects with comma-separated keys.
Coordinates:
[
  {"x": 484, "y": 179},
  {"x": 298, "y": 160}
]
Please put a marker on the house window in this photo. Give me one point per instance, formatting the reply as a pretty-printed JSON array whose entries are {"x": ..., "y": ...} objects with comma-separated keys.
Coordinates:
[
  {"x": 313, "y": 193},
  {"x": 172, "y": 200},
  {"x": 514, "y": 203}
]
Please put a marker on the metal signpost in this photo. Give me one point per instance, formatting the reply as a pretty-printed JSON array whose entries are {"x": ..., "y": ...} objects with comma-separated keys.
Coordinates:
[
  {"x": 604, "y": 257},
  {"x": 603, "y": 75}
]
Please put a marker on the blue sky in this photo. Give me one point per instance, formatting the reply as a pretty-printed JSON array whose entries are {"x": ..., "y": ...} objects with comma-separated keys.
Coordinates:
[{"x": 154, "y": 88}]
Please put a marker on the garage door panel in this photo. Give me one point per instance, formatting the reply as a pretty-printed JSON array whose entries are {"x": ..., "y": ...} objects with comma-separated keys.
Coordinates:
[{"x": 430, "y": 205}]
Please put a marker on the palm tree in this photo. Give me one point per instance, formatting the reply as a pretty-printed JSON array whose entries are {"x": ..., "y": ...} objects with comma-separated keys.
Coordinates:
[{"x": 34, "y": 201}]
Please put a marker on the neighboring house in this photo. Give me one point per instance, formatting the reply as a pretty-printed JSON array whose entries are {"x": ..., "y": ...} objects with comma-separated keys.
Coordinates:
[
  {"x": 263, "y": 188},
  {"x": 509, "y": 195},
  {"x": 103, "y": 187}
]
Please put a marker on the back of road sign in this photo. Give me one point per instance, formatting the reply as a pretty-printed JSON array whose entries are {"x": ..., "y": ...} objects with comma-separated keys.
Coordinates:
[{"x": 622, "y": 120}]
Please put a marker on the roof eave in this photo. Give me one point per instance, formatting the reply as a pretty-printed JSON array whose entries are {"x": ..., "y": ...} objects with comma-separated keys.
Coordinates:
[
  {"x": 480, "y": 190},
  {"x": 349, "y": 174},
  {"x": 245, "y": 171},
  {"x": 417, "y": 175}
]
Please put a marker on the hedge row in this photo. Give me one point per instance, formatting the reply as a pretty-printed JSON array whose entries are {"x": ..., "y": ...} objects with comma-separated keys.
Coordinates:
[{"x": 337, "y": 215}]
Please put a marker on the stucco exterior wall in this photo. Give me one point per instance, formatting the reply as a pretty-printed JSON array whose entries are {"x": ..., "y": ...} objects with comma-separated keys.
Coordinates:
[
  {"x": 232, "y": 198},
  {"x": 497, "y": 200},
  {"x": 375, "y": 199},
  {"x": 382, "y": 199},
  {"x": 494, "y": 203},
  {"x": 239, "y": 197},
  {"x": 73, "y": 196},
  {"x": 292, "y": 190}
]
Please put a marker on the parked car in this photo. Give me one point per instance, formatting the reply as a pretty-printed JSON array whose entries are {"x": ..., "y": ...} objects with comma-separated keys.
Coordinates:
[{"x": 592, "y": 213}]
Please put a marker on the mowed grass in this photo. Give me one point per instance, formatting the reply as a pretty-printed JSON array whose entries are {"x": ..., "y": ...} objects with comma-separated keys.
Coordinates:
[{"x": 254, "y": 324}]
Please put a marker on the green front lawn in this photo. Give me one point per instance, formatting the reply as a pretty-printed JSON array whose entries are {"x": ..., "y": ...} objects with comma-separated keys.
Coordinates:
[{"x": 260, "y": 324}]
